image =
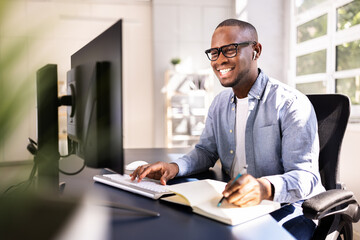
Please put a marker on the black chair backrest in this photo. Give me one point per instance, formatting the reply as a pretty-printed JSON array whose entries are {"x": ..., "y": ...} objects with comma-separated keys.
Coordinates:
[{"x": 332, "y": 112}]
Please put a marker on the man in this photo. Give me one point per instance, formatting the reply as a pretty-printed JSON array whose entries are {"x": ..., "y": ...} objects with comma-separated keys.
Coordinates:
[{"x": 259, "y": 127}]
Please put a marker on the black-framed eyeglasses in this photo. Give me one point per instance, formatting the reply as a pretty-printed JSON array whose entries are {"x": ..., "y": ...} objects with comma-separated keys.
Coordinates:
[{"x": 228, "y": 51}]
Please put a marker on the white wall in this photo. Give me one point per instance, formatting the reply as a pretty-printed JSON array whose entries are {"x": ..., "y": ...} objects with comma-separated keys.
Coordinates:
[
  {"x": 54, "y": 30},
  {"x": 182, "y": 28},
  {"x": 271, "y": 23}
]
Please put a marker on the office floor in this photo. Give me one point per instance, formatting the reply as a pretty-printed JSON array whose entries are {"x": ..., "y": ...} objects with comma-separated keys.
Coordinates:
[
  {"x": 350, "y": 164},
  {"x": 356, "y": 236},
  {"x": 351, "y": 185}
]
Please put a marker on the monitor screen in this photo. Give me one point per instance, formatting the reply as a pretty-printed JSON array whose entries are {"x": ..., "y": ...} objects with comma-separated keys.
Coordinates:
[{"x": 95, "y": 118}]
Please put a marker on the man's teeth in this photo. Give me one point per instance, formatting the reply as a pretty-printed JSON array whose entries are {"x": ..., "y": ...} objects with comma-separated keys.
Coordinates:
[{"x": 223, "y": 71}]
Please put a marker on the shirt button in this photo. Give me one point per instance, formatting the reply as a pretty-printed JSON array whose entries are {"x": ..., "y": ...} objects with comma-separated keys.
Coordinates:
[
  {"x": 231, "y": 151},
  {"x": 233, "y": 109},
  {"x": 230, "y": 130}
]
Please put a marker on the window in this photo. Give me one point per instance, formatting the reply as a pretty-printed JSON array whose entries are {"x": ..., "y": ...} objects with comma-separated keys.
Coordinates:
[
  {"x": 312, "y": 29},
  {"x": 350, "y": 87},
  {"x": 310, "y": 63},
  {"x": 327, "y": 48},
  {"x": 303, "y": 5},
  {"x": 348, "y": 55}
]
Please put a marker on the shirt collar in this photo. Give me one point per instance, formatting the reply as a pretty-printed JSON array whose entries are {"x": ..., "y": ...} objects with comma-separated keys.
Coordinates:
[{"x": 258, "y": 88}]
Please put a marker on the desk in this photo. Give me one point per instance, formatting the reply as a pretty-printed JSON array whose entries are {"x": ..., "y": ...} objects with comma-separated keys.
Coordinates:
[{"x": 175, "y": 222}]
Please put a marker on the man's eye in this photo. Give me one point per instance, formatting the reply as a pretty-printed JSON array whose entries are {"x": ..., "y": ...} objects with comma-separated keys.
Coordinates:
[
  {"x": 214, "y": 53},
  {"x": 229, "y": 50}
]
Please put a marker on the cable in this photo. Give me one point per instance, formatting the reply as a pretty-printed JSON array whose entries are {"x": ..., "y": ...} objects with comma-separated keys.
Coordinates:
[
  {"x": 33, "y": 149},
  {"x": 73, "y": 173},
  {"x": 70, "y": 143},
  {"x": 29, "y": 181}
]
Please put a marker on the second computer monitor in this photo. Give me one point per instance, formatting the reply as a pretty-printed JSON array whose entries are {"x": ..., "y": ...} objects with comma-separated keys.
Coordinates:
[{"x": 95, "y": 119}]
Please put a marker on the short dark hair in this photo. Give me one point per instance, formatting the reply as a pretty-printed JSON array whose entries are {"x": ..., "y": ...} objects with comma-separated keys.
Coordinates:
[{"x": 241, "y": 24}]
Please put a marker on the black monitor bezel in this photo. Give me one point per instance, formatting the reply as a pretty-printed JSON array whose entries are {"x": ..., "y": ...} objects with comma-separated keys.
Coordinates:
[{"x": 95, "y": 78}]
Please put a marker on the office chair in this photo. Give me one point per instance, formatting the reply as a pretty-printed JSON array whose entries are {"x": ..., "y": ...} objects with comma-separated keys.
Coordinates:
[{"x": 336, "y": 209}]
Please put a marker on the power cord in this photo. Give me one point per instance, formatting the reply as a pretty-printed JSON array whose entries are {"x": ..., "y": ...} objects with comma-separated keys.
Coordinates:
[
  {"x": 64, "y": 156},
  {"x": 32, "y": 147},
  {"x": 73, "y": 173}
]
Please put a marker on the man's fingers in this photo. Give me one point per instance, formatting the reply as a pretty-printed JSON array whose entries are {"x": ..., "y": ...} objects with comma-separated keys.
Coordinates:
[
  {"x": 148, "y": 170},
  {"x": 232, "y": 187},
  {"x": 247, "y": 194},
  {"x": 164, "y": 178},
  {"x": 160, "y": 171},
  {"x": 237, "y": 193},
  {"x": 145, "y": 170},
  {"x": 134, "y": 174},
  {"x": 138, "y": 172},
  {"x": 247, "y": 201}
]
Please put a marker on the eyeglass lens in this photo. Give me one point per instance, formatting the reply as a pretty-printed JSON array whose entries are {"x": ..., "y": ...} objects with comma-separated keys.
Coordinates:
[{"x": 228, "y": 51}]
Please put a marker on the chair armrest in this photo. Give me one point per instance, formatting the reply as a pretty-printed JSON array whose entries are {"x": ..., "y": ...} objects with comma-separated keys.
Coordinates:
[{"x": 324, "y": 204}]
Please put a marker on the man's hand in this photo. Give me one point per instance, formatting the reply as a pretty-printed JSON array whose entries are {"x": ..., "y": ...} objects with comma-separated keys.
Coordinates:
[
  {"x": 248, "y": 191},
  {"x": 160, "y": 171}
]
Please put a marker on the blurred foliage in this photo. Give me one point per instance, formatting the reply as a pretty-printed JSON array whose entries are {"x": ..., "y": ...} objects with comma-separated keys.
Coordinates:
[
  {"x": 39, "y": 216},
  {"x": 15, "y": 93},
  {"x": 350, "y": 87},
  {"x": 311, "y": 63},
  {"x": 303, "y": 5},
  {"x": 348, "y": 15},
  {"x": 312, "y": 29},
  {"x": 348, "y": 56}
]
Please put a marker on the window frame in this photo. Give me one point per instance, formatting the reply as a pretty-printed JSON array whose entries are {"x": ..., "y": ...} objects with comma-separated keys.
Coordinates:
[{"x": 328, "y": 42}]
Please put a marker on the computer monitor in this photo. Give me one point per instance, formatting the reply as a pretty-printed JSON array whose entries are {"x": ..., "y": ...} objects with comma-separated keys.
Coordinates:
[
  {"x": 95, "y": 119},
  {"x": 95, "y": 111},
  {"x": 46, "y": 150}
]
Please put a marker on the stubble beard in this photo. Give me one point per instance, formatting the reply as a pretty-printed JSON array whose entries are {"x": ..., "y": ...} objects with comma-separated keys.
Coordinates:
[{"x": 237, "y": 80}]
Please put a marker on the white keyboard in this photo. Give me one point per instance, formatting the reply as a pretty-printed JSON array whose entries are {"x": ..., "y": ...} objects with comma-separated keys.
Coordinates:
[{"x": 147, "y": 187}]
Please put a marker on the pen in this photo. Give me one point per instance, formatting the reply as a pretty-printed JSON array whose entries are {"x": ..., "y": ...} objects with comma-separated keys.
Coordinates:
[{"x": 222, "y": 199}]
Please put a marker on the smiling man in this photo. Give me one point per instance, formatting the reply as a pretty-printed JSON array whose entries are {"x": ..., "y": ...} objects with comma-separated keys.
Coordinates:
[{"x": 258, "y": 127}]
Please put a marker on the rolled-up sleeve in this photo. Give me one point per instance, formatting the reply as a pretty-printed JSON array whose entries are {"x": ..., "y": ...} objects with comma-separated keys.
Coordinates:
[{"x": 299, "y": 153}]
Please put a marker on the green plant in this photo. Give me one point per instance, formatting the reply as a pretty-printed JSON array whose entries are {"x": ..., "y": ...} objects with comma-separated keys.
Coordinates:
[
  {"x": 175, "y": 61},
  {"x": 15, "y": 93}
]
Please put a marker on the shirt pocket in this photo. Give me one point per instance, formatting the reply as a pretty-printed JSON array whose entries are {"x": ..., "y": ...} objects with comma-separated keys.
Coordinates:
[{"x": 267, "y": 144}]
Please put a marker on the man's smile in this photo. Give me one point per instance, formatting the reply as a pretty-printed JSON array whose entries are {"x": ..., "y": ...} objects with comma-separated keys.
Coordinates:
[{"x": 225, "y": 71}]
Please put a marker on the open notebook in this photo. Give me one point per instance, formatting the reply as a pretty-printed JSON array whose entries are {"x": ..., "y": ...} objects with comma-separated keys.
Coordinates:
[{"x": 203, "y": 196}]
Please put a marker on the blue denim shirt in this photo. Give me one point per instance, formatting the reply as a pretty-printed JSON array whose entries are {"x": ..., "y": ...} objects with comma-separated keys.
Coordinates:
[{"x": 281, "y": 140}]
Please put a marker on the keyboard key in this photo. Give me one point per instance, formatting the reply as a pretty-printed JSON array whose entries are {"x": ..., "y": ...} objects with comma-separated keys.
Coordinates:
[{"x": 147, "y": 187}]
